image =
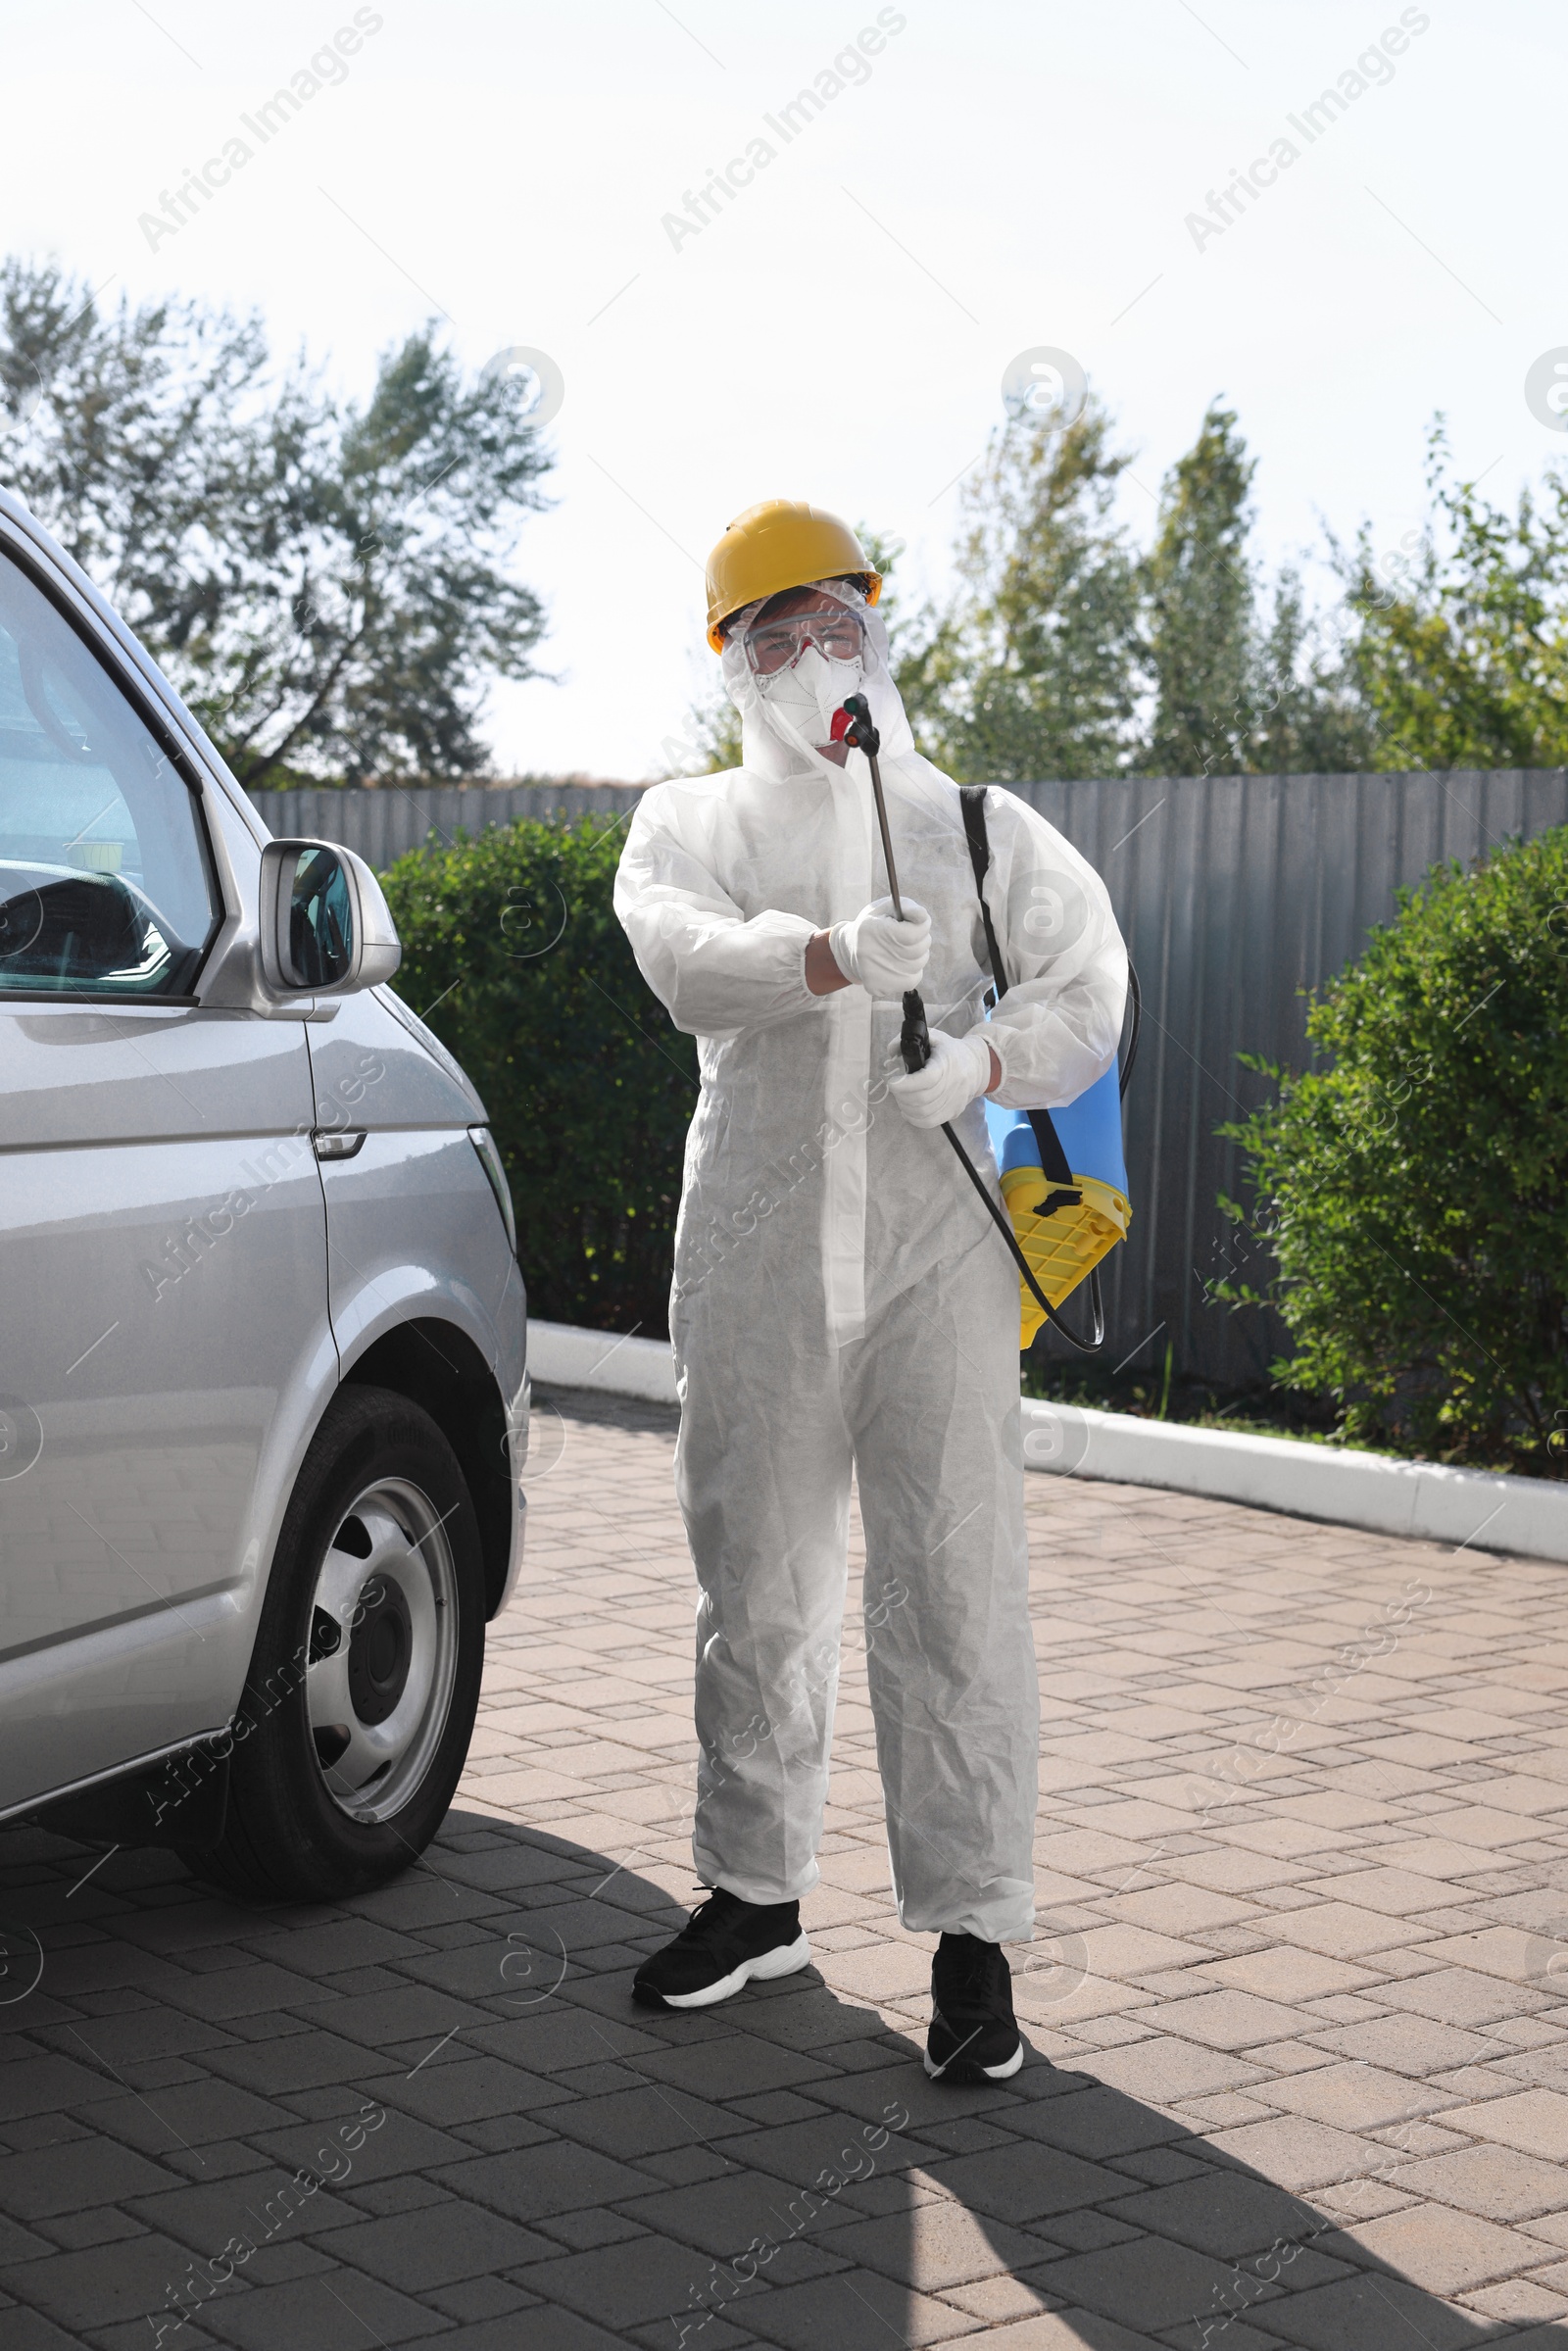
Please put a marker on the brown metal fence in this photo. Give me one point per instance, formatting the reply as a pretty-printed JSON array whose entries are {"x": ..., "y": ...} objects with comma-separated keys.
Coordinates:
[{"x": 1238, "y": 895}]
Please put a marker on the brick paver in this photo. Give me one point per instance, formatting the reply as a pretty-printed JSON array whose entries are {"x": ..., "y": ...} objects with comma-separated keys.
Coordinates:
[{"x": 1297, "y": 2014}]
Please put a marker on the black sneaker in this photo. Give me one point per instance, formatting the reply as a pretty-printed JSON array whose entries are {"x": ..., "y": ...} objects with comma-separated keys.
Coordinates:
[
  {"x": 724, "y": 1944},
  {"x": 973, "y": 2034}
]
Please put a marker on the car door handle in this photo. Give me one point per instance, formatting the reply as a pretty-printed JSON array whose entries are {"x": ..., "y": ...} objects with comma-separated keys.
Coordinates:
[{"x": 332, "y": 1143}]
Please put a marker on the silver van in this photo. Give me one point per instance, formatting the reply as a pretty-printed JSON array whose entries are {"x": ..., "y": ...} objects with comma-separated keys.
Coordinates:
[{"x": 263, "y": 1406}]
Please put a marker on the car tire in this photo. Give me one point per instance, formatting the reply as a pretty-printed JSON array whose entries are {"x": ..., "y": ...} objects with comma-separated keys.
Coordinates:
[{"x": 355, "y": 1719}]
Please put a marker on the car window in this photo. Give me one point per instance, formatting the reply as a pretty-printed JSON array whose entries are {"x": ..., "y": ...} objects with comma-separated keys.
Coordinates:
[{"x": 106, "y": 885}]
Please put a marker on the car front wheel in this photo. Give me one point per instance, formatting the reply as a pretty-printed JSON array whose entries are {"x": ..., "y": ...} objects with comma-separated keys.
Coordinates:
[{"x": 355, "y": 1717}]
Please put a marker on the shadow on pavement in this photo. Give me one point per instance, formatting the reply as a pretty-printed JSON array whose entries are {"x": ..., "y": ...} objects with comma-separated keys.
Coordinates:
[{"x": 436, "y": 2107}]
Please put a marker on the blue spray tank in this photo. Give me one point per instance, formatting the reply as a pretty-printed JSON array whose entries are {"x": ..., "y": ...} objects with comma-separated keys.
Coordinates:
[
  {"x": 1064, "y": 1229},
  {"x": 1064, "y": 1172}
]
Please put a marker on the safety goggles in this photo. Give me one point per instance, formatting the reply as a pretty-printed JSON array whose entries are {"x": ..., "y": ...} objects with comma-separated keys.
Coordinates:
[{"x": 772, "y": 646}]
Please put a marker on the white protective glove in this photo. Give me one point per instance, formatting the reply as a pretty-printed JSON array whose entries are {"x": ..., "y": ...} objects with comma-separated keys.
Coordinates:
[
  {"x": 959, "y": 1069},
  {"x": 886, "y": 956}
]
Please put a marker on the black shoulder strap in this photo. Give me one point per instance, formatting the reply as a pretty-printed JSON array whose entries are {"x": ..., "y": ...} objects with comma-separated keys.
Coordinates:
[
  {"x": 1052, "y": 1158},
  {"x": 973, "y": 798}
]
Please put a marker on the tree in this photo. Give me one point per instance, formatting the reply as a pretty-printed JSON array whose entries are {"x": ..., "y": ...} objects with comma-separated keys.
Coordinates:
[
  {"x": 327, "y": 585},
  {"x": 1065, "y": 654},
  {"x": 1304, "y": 706},
  {"x": 1232, "y": 693},
  {"x": 1198, "y": 581},
  {"x": 1034, "y": 670},
  {"x": 1464, "y": 661}
]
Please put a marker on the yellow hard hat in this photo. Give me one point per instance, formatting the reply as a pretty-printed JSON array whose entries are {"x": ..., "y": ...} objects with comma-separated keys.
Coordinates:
[{"x": 783, "y": 543}]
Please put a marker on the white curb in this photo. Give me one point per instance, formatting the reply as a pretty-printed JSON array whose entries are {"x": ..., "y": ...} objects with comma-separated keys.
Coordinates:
[
  {"x": 1471, "y": 1509},
  {"x": 564, "y": 1356},
  {"x": 1467, "y": 1508}
]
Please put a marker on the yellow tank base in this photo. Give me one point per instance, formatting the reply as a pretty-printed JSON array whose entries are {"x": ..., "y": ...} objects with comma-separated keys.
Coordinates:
[{"x": 1064, "y": 1248}]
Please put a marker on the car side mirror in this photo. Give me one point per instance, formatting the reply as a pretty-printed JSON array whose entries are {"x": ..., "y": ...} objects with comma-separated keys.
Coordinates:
[{"x": 326, "y": 928}]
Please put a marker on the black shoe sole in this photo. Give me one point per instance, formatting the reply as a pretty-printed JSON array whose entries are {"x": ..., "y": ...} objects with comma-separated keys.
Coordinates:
[
  {"x": 785, "y": 1959},
  {"x": 965, "y": 2073}
]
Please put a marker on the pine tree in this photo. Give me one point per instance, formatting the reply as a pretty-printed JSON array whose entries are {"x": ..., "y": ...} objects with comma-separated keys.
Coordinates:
[
  {"x": 1199, "y": 585},
  {"x": 1033, "y": 672},
  {"x": 1306, "y": 710}
]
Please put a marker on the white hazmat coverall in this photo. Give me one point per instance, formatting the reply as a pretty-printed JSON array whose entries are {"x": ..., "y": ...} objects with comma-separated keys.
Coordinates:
[{"x": 841, "y": 1298}]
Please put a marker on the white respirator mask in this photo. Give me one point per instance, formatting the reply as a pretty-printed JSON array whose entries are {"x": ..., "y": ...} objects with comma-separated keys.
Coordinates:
[{"x": 808, "y": 695}]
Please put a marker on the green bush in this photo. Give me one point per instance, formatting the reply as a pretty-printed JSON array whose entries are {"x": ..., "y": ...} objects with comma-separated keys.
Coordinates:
[
  {"x": 1414, "y": 1191},
  {"x": 512, "y": 954}
]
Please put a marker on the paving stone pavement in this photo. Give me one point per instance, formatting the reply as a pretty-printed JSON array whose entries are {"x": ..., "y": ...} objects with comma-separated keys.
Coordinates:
[{"x": 1298, "y": 2016}]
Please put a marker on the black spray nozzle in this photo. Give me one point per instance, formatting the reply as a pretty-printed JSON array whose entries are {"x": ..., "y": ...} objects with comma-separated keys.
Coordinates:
[{"x": 861, "y": 735}]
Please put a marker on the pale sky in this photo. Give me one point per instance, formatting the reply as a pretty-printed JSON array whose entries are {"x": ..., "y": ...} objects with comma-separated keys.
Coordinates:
[{"x": 999, "y": 177}]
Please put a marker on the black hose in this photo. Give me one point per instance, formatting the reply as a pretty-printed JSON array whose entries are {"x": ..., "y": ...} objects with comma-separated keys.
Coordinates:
[
  {"x": 1135, "y": 997},
  {"x": 998, "y": 1217}
]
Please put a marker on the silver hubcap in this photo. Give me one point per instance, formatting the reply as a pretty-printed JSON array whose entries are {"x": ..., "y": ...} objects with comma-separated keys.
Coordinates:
[{"x": 382, "y": 1649}]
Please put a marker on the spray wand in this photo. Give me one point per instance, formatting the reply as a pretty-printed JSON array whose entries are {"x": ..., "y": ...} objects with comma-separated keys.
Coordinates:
[{"x": 914, "y": 1037}]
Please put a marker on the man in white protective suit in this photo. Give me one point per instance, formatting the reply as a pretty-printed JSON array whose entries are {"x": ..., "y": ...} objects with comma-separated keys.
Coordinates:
[{"x": 841, "y": 1301}]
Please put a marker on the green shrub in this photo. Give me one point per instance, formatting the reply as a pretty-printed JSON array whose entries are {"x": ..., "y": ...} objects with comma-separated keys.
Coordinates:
[
  {"x": 1414, "y": 1191},
  {"x": 513, "y": 954}
]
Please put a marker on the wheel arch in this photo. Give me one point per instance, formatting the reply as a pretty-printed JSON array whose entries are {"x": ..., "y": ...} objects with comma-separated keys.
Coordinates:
[{"x": 438, "y": 1367}]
